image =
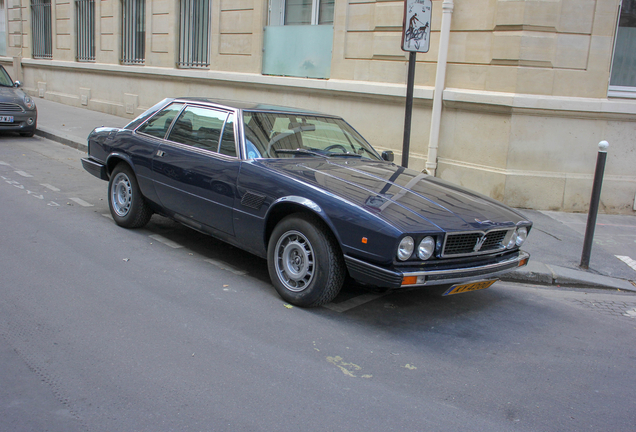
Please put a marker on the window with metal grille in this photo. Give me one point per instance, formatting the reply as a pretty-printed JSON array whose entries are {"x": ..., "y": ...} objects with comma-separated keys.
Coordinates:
[
  {"x": 194, "y": 37},
  {"x": 133, "y": 34},
  {"x": 85, "y": 21},
  {"x": 41, "y": 29}
]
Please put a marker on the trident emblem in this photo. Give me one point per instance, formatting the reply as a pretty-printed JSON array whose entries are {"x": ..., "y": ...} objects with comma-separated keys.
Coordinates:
[{"x": 479, "y": 244}]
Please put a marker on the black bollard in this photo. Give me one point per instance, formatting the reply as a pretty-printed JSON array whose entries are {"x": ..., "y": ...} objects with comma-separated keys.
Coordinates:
[{"x": 594, "y": 202}]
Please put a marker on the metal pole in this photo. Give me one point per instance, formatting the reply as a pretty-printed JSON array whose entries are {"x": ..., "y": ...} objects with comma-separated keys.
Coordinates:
[
  {"x": 409, "y": 110},
  {"x": 594, "y": 202}
]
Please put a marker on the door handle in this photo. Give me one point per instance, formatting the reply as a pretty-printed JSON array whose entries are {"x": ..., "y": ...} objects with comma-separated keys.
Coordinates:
[{"x": 160, "y": 153}]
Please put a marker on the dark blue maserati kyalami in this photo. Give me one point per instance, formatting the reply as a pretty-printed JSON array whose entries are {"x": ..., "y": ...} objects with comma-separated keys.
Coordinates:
[{"x": 307, "y": 192}]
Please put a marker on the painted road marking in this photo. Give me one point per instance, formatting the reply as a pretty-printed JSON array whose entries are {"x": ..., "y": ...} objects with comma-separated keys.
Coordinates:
[
  {"x": 106, "y": 215},
  {"x": 81, "y": 202},
  {"x": 23, "y": 174},
  {"x": 627, "y": 260},
  {"x": 48, "y": 186},
  {"x": 354, "y": 302},
  {"x": 34, "y": 194},
  {"x": 53, "y": 204},
  {"x": 166, "y": 241},
  {"x": 225, "y": 266},
  {"x": 4, "y": 163}
]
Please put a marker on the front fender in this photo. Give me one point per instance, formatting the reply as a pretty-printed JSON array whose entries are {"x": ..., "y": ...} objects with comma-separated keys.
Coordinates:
[{"x": 285, "y": 205}]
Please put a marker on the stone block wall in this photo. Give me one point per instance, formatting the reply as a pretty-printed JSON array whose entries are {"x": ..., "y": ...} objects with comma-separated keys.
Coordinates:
[{"x": 524, "y": 107}]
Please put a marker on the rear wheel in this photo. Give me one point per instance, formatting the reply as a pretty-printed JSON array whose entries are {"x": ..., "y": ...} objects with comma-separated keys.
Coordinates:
[
  {"x": 127, "y": 206},
  {"x": 304, "y": 261}
]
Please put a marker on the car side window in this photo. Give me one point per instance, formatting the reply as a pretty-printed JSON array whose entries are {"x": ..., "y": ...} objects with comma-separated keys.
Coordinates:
[
  {"x": 158, "y": 125},
  {"x": 199, "y": 127},
  {"x": 228, "y": 145}
]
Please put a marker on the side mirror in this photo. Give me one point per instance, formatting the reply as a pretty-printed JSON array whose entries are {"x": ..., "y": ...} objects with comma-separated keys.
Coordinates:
[
  {"x": 388, "y": 156},
  {"x": 17, "y": 84}
]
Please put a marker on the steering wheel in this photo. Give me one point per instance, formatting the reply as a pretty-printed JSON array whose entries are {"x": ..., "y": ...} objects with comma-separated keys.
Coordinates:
[{"x": 338, "y": 146}]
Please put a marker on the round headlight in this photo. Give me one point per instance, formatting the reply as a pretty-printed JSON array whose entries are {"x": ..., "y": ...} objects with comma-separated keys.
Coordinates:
[
  {"x": 29, "y": 102},
  {"x": 513, "y": 240},
  {"x": 522, "y": 234},
  {"x": 426, "y": 248},
  {"x": 405, "y": 248}
]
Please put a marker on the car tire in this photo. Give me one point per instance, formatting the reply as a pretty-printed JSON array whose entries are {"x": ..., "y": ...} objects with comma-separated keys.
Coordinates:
[
  {"x": 128, "y": 207},
  {"x": 304, "y": 261}
]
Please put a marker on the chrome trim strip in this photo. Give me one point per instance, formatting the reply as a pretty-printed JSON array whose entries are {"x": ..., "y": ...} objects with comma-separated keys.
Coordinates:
[
  {"x": 497, "y": 269},
  {"x": 522, "y": 255}
]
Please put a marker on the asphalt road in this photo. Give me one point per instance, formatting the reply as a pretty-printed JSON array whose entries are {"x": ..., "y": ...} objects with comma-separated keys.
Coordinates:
[{"x": 164, "y": 329}]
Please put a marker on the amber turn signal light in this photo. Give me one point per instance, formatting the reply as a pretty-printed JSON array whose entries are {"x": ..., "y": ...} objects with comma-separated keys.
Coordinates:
[{"x": 409, "y": 280}]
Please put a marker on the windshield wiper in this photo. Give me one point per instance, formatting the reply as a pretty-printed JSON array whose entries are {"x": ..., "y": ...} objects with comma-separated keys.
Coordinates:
[
  {"x": 300, "y": 151},
  {"x": 338, "y": 154}
]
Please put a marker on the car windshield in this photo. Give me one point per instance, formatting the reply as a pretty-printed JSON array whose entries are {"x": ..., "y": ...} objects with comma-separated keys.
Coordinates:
[
  {"x": 5, "y": 79},
  {"x": 284, "y": 135}
]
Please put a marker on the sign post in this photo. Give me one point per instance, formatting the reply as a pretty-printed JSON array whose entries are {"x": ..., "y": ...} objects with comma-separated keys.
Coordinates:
[{"x": 416, "y": 31}]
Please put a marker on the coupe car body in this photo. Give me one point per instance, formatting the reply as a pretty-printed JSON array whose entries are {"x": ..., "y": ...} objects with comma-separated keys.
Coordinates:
[
  {"x": 17, "y": 110},
  {"x": 305, "y": 191}
]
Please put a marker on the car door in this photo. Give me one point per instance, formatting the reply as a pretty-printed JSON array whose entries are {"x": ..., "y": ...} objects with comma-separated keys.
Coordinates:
[{"x": 195, "y": 169}]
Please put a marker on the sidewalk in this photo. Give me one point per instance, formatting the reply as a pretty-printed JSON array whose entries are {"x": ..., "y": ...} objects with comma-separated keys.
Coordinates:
[{"x": 555, "y": 242}]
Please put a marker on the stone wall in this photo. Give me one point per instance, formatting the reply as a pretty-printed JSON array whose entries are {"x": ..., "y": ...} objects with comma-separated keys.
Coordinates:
[{"x": 524, "y": 107}]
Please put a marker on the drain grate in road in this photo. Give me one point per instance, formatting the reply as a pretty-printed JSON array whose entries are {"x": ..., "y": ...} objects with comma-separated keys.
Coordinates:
[{"x": 616, "y": 308}]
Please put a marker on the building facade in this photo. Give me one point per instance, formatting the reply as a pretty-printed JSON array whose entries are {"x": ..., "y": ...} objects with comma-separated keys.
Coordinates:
[{"x": 531, "y": 86}]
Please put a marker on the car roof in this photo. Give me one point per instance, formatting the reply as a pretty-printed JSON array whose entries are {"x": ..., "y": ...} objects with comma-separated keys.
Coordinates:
[{"x": 249, "y": 106}]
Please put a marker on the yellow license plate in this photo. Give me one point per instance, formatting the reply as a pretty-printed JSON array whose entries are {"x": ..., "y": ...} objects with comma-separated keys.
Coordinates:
[{"x": 458, "y": 289}]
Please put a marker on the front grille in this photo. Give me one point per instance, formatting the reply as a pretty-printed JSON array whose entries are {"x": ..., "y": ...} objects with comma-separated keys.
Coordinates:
[
  {"x": 10, "y": 107},
  {"x": 474, "y": 242}
]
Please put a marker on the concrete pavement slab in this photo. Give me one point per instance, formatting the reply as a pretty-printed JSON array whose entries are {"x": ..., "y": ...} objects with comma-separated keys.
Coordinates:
[{"x": 71, "y": 125}]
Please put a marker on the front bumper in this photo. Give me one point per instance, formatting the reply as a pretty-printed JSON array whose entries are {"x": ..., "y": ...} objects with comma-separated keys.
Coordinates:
[
  {"x": 22, "y": 121},
  {"x": 387, "y": 278}
]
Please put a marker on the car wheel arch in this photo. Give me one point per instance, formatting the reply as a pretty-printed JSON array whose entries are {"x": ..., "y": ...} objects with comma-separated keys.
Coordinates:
[
  {"x": 294, "y": 205},
  {"x": 115, "y": 159}
]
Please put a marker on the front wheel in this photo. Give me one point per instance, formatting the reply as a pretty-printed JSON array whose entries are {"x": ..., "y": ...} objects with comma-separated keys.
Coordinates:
[
  {"x": 304, "y": 261},
  {"x": 127, "y": 206}
]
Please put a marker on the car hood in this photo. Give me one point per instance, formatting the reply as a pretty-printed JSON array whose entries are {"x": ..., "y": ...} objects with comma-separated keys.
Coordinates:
[
  {"x": 408, "y": 199},
  {"x": 11, "y": 94}
]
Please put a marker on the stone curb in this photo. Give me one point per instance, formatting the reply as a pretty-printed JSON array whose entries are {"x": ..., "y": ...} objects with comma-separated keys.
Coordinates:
[
  {"x": 62, "y": 138},
  {"x": 543, "y": 274}
]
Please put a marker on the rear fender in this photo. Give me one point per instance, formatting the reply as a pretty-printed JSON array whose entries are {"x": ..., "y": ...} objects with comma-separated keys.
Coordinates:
[{"x": 114, "y": 158}]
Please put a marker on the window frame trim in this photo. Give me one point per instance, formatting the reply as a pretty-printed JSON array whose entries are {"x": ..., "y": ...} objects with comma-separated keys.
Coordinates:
[{"x": 615, "y": 91}]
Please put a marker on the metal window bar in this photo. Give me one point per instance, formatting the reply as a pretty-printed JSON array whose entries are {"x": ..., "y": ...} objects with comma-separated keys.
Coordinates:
[
  {"x": 85, "y": 15},
  {"x": 41, "y": 29},
  {"x": 194, "y": 37},
  {"x": 133, "y": 48}
]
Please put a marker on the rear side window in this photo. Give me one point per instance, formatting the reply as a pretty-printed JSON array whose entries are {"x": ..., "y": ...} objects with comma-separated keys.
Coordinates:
[
  {"x": 199, "y": 127},
  {"x": 159, "y": 124}
]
